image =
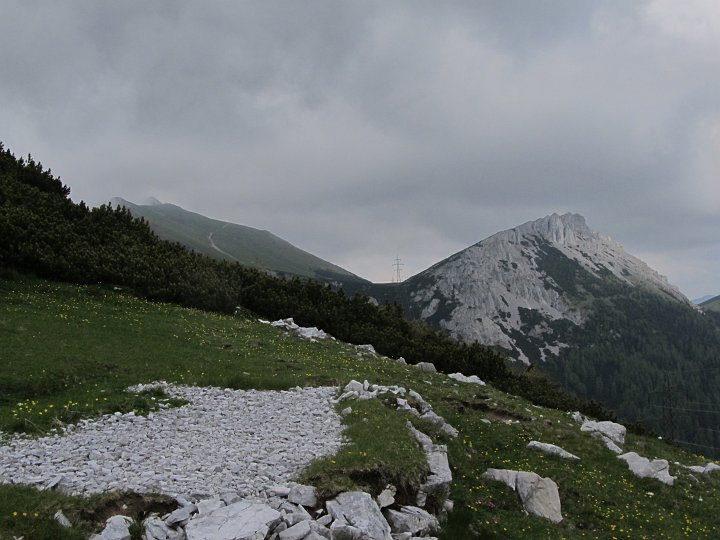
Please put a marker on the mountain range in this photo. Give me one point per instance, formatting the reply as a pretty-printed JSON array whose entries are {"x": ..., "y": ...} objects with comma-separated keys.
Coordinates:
[{"x": 554, "y": 295}]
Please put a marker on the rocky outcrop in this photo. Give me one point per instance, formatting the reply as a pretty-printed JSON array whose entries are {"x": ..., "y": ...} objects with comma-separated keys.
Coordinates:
[
  {"x": 411, "y": 519},
  {"x": 473, "y": 379},
  {"x": 420, "y": 408},
  {"x": 426, "y": 366},
  {"x": 312, "y": 333},
  {"x": 610, "y": 433},
  {"x": 645, "y": 468},
  {"x": 552, "y": 450},
  {"x": 703, "y": 469},
  {"x": 612, "y": 430},
  {"x": 352, "y": 515},
  {"x": 438, "y": 482},
  {"x": 539, "y": 496},
  {"x": 355, "y": 515}
]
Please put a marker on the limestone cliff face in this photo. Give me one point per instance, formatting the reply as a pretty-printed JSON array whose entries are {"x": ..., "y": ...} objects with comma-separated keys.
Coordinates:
[{"x": 523, "y": 283}]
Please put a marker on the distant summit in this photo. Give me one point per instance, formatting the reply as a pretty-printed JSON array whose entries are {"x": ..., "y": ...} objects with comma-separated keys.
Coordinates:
[
  {"x": 150, "y": 201},
  {"x": 703, "y": 299},
  {"x": 236, "y": 243},
  {"x": 527, "y": 281}
]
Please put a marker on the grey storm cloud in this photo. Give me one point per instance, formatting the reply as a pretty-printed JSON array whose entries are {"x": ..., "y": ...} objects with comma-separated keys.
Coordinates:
[{"x": 359, "y": 130}]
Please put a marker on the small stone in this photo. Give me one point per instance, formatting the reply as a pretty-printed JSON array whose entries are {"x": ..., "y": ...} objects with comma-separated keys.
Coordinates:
[
  {"x": 411, "y": 519},
  {"x": 116, "y": 528},
  {"x": 179, "y": 517},
  {"x": 387, "y": 496},
  {"x": 304, "y": 495},
  {"x": 296, "y": 532},
  {"x": 62, "y": 519}
]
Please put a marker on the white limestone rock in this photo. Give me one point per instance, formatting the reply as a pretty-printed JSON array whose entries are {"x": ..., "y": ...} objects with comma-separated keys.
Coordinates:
[
  {"x": 62, "y": 519},
  {"x": 608, "y": 442},
  {"x": 304, "y": 495},
  {"x": 297, "y": 532},
  {"x": 116, "y": 528},
  {"x": 314, "y": 535},
  {"x": 208, "y": 506},
  {"x": 179, "y": 517},
  {"x": 239, "y": 521},
  {"x": 386, "y": 497},
  {"x": 366, "y": 349},
  {"x": 439, "y": 421},
  {"x": 310, "y": 333},
  {"x": 645, "y": 468},
  {"x": 612, "y": 430},
  {"x": 552, "y": 450},
  {"x": 439, "y": 480},
  {"x": 472, "y": 379},
  {"x": 701, "y": 469},
  {"x": 426, "y": 366},
  {"x": 411, "y": 519},
  {"x": 539, "y": 496},
  {"x": 157, "y": 529},
  {"x": 358, "y": 510}
]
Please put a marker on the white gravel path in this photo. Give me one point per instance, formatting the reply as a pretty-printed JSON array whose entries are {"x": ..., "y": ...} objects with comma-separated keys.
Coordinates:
[{"x": 223, "y": 440}]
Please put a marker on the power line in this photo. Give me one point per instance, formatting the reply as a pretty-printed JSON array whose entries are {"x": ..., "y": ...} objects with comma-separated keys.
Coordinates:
[
  {"x": 698, "y": 445},
  {"x": 684, "y": 371},
  {"x": 397, "y": 265},
  {"x": 716, "y": 411},
  {"x": 703, "y": 403}
]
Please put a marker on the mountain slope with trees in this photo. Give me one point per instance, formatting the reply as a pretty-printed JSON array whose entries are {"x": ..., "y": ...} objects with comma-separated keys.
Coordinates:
[
  {"x": 43, "y": 232},
  {"x": 572, "y": 303}
]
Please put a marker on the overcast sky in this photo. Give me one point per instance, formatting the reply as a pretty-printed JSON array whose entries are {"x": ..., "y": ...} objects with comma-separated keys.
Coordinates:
[{"x": 361, "y": 130}]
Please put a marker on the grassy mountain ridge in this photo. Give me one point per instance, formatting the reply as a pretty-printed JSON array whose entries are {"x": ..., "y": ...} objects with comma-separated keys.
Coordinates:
[{"x": 232, "y": 242}]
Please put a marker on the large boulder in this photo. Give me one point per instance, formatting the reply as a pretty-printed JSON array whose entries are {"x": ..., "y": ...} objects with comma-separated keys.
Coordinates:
[
  {"x": 612, "y": 430},
  {"x": 243, "y": 520},
  {"x": 539, "y": 496},
  {"x": 645, "y": 468},
  {"x": 356, "y": 511},
  {"x": 426, "y": 366}
]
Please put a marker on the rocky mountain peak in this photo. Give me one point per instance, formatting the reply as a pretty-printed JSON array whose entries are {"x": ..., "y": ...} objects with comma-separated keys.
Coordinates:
[{"x": 525, "y": 281}]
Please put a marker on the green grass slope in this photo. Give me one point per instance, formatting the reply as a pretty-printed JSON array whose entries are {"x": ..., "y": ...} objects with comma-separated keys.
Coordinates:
[
  {"x": 235, "y": 243},
  {"x": 69, "y": 351}
]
